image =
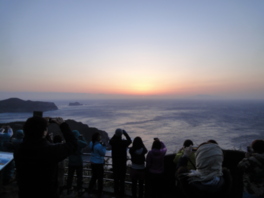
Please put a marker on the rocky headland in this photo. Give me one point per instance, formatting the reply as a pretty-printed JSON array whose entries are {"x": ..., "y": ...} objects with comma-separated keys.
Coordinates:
[
  {"x": 16, "y": 105},
  {"x": 84, "y": 129}
]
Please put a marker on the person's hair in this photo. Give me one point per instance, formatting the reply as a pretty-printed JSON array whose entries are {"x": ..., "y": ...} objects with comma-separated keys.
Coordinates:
[
  {"x": 187, "y": 143},
  {"x": 258, "y": 146},
  {"x": 57, "y": 139},
  {"x": 34, "y": 127},
  {"x": 95, "y": 138},
  {"x": 137, "y": 143},
  {"x": 156, "y": 145},
  {"x": 212, "y": 141},
  {"x": 118, "y": 132}
]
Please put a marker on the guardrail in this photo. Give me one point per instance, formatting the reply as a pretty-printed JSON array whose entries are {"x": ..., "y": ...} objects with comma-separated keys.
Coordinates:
[{"x": 108, "y": 174}]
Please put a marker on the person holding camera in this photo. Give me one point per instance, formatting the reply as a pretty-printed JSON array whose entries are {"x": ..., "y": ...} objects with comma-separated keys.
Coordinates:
[
  {"x": 252, "y": 167},
  {"x": 119, "y": 159},
  {"x": 182, "y": 162},
  {"x": 37, "y": 160},
  {"x": 76, "y": 164},
  {"x": 137, "y": 170},
  {"x": 98, "y": 151}
]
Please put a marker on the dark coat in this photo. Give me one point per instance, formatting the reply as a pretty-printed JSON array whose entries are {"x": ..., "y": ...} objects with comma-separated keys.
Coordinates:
[
  {"x": 37, "y": 164},
  {"x": 138, "y": 157},
  {"x": 119, "y": 147}
]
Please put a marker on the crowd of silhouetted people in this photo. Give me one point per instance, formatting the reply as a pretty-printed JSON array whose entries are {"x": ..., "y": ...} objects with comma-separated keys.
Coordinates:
[{"x": 40, "y": 161}]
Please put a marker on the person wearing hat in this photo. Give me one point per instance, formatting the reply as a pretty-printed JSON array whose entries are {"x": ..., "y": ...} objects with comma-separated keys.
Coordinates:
[
  {"x": 76, "y": 164},
  {"x": 18, "y": 139},
  {"x": 119, "y": 158},
  {"x": 6, "y": 132}
]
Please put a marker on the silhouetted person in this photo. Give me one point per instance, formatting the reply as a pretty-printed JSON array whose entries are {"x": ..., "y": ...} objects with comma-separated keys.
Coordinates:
[
  {"x": 137, "y": 170},
  {"x": 17, "y": 139},
  {"x": 6, "y": 133},
  {"x": 188, "y": 163},
  {"x": 37, "y": 160},
  {"x": 76, "y": 164},
  {"x": 57, "y": 139},
  {"x": 155, "y": 168},
  {"x": 206, "y": 180},
  {"x": 119, "y": 159},
  {"x": 97, "y": 162},
  {"x": 252, "y": 167}
]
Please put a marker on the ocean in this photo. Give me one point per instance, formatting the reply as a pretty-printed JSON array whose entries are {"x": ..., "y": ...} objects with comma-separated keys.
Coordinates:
[{"x": 233, "y": 124}]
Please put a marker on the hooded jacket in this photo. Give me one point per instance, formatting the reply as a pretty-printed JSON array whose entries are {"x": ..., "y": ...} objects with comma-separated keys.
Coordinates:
[
  {"x": 76, "y": 158},
  {"x": 209, "y": 159},
  {"x": 98, "y": 152},
  {"x": 15, "y": 142},
  {"x": 155, "y": 160}
]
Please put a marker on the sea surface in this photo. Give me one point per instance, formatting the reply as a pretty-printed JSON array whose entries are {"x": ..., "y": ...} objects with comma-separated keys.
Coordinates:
[{"x": 233, "y": 124}]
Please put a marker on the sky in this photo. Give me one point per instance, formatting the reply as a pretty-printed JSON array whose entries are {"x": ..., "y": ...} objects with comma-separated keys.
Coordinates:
[{"x": 118, "y": 48}]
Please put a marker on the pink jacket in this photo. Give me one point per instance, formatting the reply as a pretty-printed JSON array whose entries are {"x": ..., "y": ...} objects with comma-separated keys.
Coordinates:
[{"x": 155, "y": 160}]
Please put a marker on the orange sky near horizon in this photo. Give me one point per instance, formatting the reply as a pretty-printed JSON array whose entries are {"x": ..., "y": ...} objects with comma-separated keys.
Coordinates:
[{"x": 135, "y": 48}]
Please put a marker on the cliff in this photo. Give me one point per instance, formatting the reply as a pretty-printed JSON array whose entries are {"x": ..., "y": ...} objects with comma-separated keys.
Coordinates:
[{"x": 16, "y": 105}]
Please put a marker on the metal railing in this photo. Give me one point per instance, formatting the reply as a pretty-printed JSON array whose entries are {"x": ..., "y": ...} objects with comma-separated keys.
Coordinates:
[{"x": 108, "y": 173}]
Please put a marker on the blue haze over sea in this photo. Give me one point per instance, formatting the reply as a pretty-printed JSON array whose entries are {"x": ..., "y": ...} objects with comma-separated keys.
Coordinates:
[{"x": 233, "y": 124}]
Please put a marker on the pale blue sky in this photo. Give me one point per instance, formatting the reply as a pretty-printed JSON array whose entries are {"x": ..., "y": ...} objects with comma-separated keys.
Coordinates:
[{"x": 164, "y": 48}]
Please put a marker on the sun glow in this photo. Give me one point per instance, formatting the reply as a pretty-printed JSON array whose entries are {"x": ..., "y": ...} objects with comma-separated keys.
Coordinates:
[{"x": 142, "y": 88}]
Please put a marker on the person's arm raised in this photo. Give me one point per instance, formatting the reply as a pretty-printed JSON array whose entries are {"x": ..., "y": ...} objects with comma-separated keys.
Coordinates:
[{"x": 129, "y": 141}]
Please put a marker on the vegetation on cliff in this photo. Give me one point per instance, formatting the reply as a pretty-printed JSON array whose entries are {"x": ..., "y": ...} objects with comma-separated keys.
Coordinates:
[{"x": 16, "y": 105}]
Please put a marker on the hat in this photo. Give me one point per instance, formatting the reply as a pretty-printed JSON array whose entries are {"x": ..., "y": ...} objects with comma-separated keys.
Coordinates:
[
  {"x": 118, "y": 132},
  {"x": 76, "y": 133},
  {"x": 19, "y": 134}
]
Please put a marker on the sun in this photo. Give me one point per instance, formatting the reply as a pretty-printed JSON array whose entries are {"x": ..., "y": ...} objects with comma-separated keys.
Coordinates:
[{"x": 142, "y": 88}]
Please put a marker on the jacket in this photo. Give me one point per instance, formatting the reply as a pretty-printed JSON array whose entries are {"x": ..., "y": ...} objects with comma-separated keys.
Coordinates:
[
  {"x": 155, "y": 160},
  {"x": 98, "y": 153},
  {"x": 253, "y": 178},
  {"x": 76, "y": 158},
  {"x": 138, "y": 157},
  {"x": 119, "y": 147},
  {"x": 191, "y": 159}
]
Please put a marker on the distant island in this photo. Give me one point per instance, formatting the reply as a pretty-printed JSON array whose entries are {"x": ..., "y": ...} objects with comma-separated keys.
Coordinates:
[
  {"x": 75, "y": 104},
  {"x": 16, "y": 105}
]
